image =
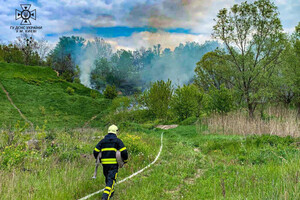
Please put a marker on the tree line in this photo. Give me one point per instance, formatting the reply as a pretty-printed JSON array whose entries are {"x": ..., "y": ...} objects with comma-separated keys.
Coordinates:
[{"x": 256, "y": 64}]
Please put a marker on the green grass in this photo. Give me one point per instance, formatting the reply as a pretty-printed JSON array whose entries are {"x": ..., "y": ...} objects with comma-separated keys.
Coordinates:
[
  {"x": 8, "y": 115},
  {"x": 191, "y": 166},
  {"x": 64, "y": 165},
  {"x": 195, "y": 166},
  {"x": 43, "y": 98}
]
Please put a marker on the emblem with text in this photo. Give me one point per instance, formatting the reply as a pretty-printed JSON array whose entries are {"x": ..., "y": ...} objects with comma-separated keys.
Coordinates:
[{"x": 25, "y": 15}]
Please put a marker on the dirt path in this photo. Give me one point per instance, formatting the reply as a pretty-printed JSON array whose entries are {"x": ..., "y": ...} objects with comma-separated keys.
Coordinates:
[{"x": 12, "y": 103}]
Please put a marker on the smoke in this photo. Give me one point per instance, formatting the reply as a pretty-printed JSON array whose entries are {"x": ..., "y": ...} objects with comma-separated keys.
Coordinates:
[
  {"x": 178, "y": 65},
  {"x": 95, "y": 49},
  {"x": 150, "y": 64}
]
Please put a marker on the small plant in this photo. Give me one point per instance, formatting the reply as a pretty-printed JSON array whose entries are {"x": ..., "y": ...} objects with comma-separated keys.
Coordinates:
[
  {"x": 76, "y": 80},
  {"x": 70, "y": 90},
  {"x": 94, "y": 94},
  {"x": 43, "y": 110}
]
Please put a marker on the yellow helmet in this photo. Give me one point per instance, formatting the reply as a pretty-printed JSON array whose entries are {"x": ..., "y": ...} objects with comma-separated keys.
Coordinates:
[{"x": 113, "y": 129}]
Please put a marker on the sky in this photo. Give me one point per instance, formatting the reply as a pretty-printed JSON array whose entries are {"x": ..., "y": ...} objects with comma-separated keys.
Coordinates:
[{"x": 129, "y": 24}]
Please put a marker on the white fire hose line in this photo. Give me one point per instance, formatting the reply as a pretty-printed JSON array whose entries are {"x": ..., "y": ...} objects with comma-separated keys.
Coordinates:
[{"x": 132, "y": 175}]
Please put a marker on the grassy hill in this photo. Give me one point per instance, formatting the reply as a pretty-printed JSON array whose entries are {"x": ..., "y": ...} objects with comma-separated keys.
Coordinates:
[{"x": 45, "y": 98}]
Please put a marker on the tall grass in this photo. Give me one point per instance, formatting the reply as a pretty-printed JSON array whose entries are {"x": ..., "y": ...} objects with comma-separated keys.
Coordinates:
[{"x": 275, "y": 121}]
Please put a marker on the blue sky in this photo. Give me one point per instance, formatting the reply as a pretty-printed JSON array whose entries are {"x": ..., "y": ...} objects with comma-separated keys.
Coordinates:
[{"x": 130, "y": 23}]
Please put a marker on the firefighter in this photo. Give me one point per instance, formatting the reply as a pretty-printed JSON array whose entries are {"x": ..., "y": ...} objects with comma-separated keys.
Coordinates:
[{"x": 108, "y": 148}]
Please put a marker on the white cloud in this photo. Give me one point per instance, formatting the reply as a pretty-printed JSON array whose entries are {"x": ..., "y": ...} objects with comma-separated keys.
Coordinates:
[{"x": 148, "y": 39}]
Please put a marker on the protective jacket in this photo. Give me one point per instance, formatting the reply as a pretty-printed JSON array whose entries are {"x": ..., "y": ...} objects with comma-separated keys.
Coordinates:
[{"x": 108, "y": 148}]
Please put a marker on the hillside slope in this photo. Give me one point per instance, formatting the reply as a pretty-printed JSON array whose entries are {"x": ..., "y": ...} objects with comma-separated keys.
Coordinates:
[{"x": 44, "y": 98}]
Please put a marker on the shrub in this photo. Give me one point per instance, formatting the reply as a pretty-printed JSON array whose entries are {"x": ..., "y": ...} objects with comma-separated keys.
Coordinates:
[
  {"x": 220, "y": 100},
  {"x": 70, "y": 90},
  {"x": 158, "y": 98},
  {"x": 110, "y": 92},
  {"x": 189, "y": 121},
  {"x": 67, "y": 75},
  {"x": 76, "y": 80},
  {"x": 94, "y": 94},
  {"x": 121, "y": 104},
  {"x": 186, "y": 101}
]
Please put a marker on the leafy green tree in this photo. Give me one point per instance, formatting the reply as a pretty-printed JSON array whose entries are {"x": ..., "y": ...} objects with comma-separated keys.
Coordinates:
[
  {"x": 110, "y": 92},
  {"x": 186, "y": 101},
  {"x": 158, "y": 98},
  {"x": 287, "y": 85},
  {"x": 296, "y": 68},
  {"x": 284, "y": 84},
  {"x": 12, "y": 54},
  {"x": 209, "y": 71},
  {"x": 220, "y": 100},
  {"x": 253, "y": 35}
]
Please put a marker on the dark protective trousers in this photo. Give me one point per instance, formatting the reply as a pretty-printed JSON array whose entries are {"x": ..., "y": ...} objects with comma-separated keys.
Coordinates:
[{"x": 110, "y": 172}]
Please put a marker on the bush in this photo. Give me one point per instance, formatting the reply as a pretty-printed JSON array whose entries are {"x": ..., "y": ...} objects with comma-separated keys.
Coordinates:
[
  {"x": 121, "y": 104},
  {"x": 189, "y": 121},
  {"x": 70, "y": 90},
  {"x": 220, "y": 100},
  {"x": 158, "y": 98},
  {"x": 110, "y": 92},
  {"x": 94, "y": 94},
  {"x": 76, "y": 80},
  {"x": 186, "y": 101}
]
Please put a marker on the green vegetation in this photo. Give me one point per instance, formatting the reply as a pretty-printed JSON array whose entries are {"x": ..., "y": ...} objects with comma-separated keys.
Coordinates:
[
  {"x": 110, "y": 92},
  {"x": 45, "y": 98},
  {"x": 192, "y": 165},
  {"x": 186, "y": 101},
  {"x": 158, "y": 98}
]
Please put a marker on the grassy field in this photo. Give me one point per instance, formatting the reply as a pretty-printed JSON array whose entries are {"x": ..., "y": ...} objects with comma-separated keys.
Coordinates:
[{"x": 193, "y": 164}]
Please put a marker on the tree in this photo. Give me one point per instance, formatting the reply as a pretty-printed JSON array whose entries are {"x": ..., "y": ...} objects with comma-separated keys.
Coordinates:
[
  {"x": 157, "y": 99},
  {"x": 66, "y": 54},
  {"x": 28, "y": 45},
  {"x": 252, "y": 35},
  {"x": 42, "y": 49},
  {"x": 125, "y": 73},
  {"x": 288, "y": 83},
  {"x": 284, "y": 82},
  {"x": 101, "y": 74},
  {"x": 296, "y": 68},
  {"x": 12, "y": 54},
  {"x": 209, "y": 71},
  {"x": 186, "y": 101},
  {"x": 221, "y": 100}
]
